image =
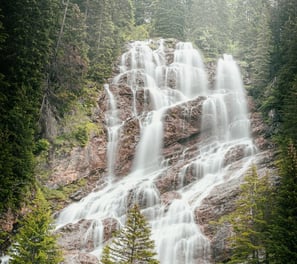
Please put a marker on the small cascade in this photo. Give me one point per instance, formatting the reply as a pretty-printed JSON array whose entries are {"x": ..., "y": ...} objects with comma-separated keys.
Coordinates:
[
  {"x": 113, "y": 127},
  {"x": 188, "y": 71},
  {"x": 165, "y": 84},
  {"x": 148, "y": 155}
]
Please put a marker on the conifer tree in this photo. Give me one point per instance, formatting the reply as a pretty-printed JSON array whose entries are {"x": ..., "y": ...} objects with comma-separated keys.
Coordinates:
[
  {"x": 249, "y": 220},
  {"x": 132, "y": 244},
  {"x": 34, "y": 243},
  {"x": 284, "y": 233},
  {"x": 169, "y": 19},
  {"x": 25, "y": 43}
]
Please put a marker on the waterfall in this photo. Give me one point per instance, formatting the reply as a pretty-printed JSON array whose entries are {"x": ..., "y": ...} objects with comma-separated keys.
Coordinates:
[
  {"x": 166, "y": 84},
  {"x": 113, "y": 128},
  {"x": 4, "y": 259}
]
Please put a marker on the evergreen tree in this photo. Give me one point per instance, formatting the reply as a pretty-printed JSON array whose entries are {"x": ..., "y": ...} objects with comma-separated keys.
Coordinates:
[
  {"x": 101, "y": 39},
  {"x": 69, "y": 62},
  {"x": 25, "y": 49},
  {"x": 260, "y": 65},
  {"x": 250, "y": 220},
  {"x": 283, "y": 245},
  {"x": 208, "y": 25},
  {"x": 143, "y": 11},
  {"x": 283, "y": 96},
  {"x": 169, "y": 19},
  {"x": 34, "y": 242},
  {"x": 132, "y": 244}
]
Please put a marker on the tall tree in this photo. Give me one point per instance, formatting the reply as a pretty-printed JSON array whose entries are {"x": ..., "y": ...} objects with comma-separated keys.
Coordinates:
[
  {"x": 283, "y": 245},
  {"x": 283, "y": 95},
  {"x": 209, "y": 26},
  {"x": 250, "y": 220},
  {"x": 260, "y": 71},
  {"x": 25, "y": 48},
  {"x": 101, "y": 39},
  {"x": 143, "y": 11},
  {"x": 69, "y": 61},
  {"x": 169, "y": 19},
  {"x": 34, "y": 243},
  {"x": 133, "y": 243}
]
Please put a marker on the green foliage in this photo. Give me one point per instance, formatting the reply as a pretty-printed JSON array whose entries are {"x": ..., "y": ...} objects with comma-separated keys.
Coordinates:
[
  {"x": 283, "y": 232},
  {"x": 58, "y": 197},
  {"x": 209, "y": 26},
  {"x": 81, "y": 135},
  {"x": 290, "y": 110},
  {"x": 25, "y": 49},
  {"x": 143, "y": 11},
  {"x": 169, "y": 19},
  {"x": 250, "y": 220},
  {"x": 34, "y": 242},
  {"x": 283, "y": 66},
  {"x": 42, "y": 145},
  {"x": 132, "y": 244},
  {"x": 140, "y": 32}
]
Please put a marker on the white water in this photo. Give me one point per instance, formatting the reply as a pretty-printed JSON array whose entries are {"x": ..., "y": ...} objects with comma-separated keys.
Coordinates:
[
  {"x": 177, "y": 237},
  {"x": 113, "y": 128},
  {"x": 4, "y": 259}
]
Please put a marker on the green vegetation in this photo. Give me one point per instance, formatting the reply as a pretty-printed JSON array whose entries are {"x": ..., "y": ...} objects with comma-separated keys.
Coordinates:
[
  {"x": 132, "y": 244},
  {"x": 57, "y": 198},
  {"x": 264, "y": 222},
  {"x": 55, "y": 56},
  {"x": 34, "y": 242},
  {"x": 250, "y": 220},
  {"x": 283, "y": 233}
]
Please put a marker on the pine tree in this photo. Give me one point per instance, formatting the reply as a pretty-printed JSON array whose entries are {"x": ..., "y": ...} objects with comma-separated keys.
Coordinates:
[
  {"x": 143, "y": 11},
  {"x": 209, "y": 26},
  {"x": 101, "y": 38},
  {"x": 25, "y": 49},
  {"x": 284, "y": 233},
  {"x": 169, "y": 19},
  {"x": 260, "y": 65},
  {"x": 132, "y": 244},
  {"x": 250, "y": 220},
  {"x": 34, "y": 242}
]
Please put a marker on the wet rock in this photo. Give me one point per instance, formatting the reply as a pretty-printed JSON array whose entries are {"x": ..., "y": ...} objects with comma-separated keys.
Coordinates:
[
  {"x": 183, "y": 121},
  {"x": 73, "y": 236},
  {"x": 168, "y": 197},
  {"x": 110, "y": 226},
  {"x": 77, "y": 195},
  {"x": 219, "y": 202},
  {"x": 78, "y": 236},
  {"x": 128, "y": 140},
  {"x": 234, "y": 154}
]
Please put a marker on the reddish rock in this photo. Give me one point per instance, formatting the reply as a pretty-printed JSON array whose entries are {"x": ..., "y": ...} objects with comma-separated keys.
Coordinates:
[
  {"x": 74, "y": 239},
  {"x": 80, "y": 162},
  {"x": 78, "y": 257},
  {"x": 183, "y": 121},
  {"x": 168, "y": 197},
  {"x": 110, "y": 226},
  {"x": 128, "y": 140},
  {"x": 234, "y": 154}
]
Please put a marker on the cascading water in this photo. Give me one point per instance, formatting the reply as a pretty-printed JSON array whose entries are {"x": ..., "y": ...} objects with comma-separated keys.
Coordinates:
[
  {"x": 4, "y": 259},
  {"x": 113, "y": 124},
  {"x": 177, "y": 236}
]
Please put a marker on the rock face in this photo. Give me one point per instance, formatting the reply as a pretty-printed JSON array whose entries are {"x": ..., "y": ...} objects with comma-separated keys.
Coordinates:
[
  {"x": 79, "y": 163},
  {"x": 186, "y": 134}
]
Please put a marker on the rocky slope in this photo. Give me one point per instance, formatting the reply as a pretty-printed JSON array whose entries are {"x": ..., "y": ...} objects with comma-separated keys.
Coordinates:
[{"x": 182, "y": 130}]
